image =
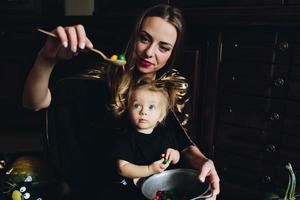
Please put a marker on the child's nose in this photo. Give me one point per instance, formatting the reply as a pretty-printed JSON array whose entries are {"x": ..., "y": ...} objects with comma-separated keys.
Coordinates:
[{"x": 144, "y": 111}]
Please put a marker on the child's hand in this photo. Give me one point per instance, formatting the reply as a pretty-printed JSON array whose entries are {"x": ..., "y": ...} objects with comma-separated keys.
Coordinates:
[
  {"x": 171, "y": 156},
  {"x": 158, "y": 166}
]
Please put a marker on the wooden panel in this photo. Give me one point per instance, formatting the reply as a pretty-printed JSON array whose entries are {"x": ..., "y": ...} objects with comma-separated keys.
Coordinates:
[
  {"x": 254, "y": 45},
  {"x": 292, "y": 118},
  {"x": 254, "y": 78},
  {"x": 224, "y": 2},
  {"x": 289, "y": 45},
  {"x": 255, "y": 144},
  {"x": 123, "y": 8},
  {"x": 251, "y": 111},
  {"x": 294, "y": 84},
  {"x": 189, "y": 66},
  {"x": 293, "y": 2},
  {"x": 239, "y": 141}
]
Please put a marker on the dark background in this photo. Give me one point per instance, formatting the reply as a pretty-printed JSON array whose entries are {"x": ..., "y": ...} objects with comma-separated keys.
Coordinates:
[{"x": 241, "y": 58}]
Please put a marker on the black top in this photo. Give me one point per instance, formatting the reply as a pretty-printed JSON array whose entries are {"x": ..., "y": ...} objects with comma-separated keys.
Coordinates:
[
  {"x": 143, "y": 149},
  {"x": 81, "y": 133}
]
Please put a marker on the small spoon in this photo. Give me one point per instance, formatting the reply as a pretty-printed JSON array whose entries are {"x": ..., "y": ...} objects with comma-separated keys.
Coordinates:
[{"x": 116, "y": 62}]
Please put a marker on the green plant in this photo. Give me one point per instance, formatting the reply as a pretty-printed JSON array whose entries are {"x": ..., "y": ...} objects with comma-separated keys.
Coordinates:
[{"x": 289, "y": 193}]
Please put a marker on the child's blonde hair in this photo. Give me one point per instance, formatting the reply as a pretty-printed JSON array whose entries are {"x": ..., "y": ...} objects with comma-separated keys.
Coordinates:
[{"x": 167, "y": 93}]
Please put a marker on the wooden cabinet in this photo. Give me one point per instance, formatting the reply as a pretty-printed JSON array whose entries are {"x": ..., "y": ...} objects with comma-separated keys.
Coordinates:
[
  {"x": 123, "y": 8},
  {"x": 257, "y": 108},
  {"x": 225, "y": 3},
  {"x": 248, "y": 91},
  {"x": 242, "y": 59}
]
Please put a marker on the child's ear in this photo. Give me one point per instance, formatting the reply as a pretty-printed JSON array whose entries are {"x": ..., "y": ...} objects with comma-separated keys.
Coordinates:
[{"x": 161, "y": 117}]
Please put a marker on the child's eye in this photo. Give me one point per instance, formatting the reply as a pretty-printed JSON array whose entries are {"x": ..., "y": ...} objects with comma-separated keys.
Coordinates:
[
  {"x": 137, "y": 106},
  {"x": 152, "y": 107}
]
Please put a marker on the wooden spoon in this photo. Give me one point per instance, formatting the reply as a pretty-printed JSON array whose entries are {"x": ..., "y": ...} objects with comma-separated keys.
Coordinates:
[{"x": 115, "y": 62}]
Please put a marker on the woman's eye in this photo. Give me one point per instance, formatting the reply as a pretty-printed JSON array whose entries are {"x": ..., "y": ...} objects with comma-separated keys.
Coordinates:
[
  {"x": 144, "y": 38},
  {"x": 164, "y": 49}
]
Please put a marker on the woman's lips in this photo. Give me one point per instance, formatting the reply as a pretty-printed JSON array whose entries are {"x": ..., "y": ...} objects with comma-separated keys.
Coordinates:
[{"x": 145, "y": 63}]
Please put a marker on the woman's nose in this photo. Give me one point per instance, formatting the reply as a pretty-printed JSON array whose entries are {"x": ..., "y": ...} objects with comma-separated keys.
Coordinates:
[{"x": 150, "y": 51}]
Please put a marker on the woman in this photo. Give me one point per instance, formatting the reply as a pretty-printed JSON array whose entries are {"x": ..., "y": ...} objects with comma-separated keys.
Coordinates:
[{"x": 150, "y": 53}]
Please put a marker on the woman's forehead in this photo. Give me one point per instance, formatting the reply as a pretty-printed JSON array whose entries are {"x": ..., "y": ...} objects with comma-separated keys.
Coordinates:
[{"x": 160, "y": 29}]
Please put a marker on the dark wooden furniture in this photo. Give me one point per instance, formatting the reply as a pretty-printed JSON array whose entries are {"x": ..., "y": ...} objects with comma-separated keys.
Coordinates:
[
  {"x": 249, "y": 91},
  {"x": 242, "y": 61}
]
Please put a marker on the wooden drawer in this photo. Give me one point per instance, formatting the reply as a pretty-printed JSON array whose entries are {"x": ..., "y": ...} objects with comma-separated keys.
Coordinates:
[
  {"x": 253, "y": 143},
  {"x": 191, "y": 4},
  {"x": 251, "y": 111},
  {"x": 294, "y": 83},
  {"x": 243, "y": 171},
  {"x": 248, "y": 46},
  {"x": 288, "y": 47},
  {"x": 239, "y": 170},
  {"x": 254, "y": 78},
  {"x": 292, "y": 118}
]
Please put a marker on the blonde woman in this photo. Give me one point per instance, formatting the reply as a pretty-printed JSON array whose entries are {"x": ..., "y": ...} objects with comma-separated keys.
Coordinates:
[{"x": 150, "y": 53}]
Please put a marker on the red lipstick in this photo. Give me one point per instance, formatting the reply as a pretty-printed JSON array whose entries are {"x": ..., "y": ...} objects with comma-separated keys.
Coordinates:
[{"x": 144, "y": 63}]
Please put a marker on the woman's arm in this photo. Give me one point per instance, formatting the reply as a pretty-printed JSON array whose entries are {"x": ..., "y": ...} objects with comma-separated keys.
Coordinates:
[
  {"x": 205, "y": 166},
  {"x": 36, "y": 94},
  {"x": 70, "y": 41}
]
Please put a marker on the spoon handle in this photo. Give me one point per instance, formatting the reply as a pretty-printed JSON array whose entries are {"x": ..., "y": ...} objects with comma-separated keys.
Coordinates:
[{"x": 55, "y": 36}]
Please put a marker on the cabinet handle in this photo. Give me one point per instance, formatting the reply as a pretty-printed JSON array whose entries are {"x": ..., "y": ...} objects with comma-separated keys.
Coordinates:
[
  {"x": 271, "y": 148},
  {"x": 283, "y": 46},
  {"x": 279, "y": 82},
  {"x": 274, "y": 116}
]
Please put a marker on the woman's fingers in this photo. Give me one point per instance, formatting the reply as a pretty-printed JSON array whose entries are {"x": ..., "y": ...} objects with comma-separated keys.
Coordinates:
[
  {"x": 62, "y": 35},
  {"x": 72, "y": 38},
  {"x": 208, "y": 170},
  {"x": 81, "y": 36},
  {"x": 88, "y": 43}
]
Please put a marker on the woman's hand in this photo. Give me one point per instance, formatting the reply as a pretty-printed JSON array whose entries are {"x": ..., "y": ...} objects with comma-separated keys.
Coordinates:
[
  {"x": 208, "y": 171},
  {"x": 206, "y": 168},
  {"x": 171, "y": 155},
  {"x": 69, "y": 42}
]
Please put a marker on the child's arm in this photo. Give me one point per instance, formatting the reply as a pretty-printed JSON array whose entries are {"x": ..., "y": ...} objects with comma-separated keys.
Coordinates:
[{"x": 130, "y": 170}]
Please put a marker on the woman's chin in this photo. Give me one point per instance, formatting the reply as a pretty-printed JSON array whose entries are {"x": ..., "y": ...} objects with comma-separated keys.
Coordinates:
[{"x": 146, "y": 72}]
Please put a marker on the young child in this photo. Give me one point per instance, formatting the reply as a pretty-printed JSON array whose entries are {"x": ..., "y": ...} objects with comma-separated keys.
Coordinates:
[{"x": 148, "y": 147}]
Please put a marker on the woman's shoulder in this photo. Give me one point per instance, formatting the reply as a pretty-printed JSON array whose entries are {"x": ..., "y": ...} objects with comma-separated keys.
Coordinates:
[{"x": 173, "y": 73}]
